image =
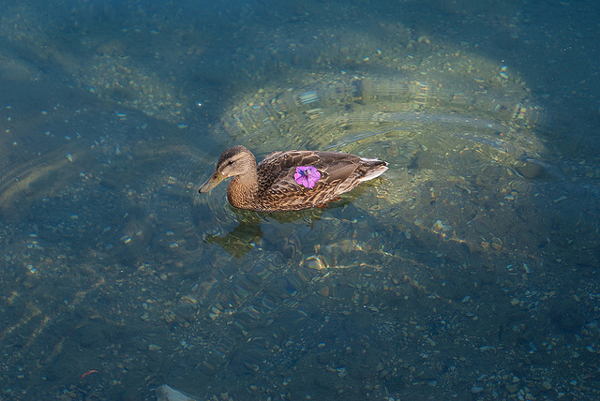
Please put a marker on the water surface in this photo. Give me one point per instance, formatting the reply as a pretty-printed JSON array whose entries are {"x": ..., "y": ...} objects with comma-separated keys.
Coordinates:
[{"x": 468, "y": 271}]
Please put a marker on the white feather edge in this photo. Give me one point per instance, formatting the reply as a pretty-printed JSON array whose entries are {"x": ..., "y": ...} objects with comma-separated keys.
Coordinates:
[{"x": 375, "y": 173}]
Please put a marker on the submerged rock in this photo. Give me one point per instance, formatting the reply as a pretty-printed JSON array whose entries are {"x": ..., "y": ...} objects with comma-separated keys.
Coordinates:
[{"x": 166, "y": 393}]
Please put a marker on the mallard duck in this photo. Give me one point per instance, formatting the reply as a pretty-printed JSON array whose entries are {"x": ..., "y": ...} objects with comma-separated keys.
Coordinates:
[{"x": 290, "y": 180}]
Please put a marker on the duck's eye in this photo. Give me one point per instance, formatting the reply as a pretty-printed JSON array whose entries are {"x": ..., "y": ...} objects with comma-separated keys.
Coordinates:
[{"x": 230, "y": 162}]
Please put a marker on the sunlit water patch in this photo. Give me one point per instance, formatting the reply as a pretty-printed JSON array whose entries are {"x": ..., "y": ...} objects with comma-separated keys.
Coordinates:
[{"x": 454, "y": 147}]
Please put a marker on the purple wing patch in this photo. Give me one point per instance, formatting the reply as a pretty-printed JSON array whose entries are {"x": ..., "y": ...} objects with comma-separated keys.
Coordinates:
[{"x": 307, "y": 176}]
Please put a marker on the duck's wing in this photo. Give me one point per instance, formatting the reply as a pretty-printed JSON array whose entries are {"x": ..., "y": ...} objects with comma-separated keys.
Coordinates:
[{"x": 276, "y": 171}]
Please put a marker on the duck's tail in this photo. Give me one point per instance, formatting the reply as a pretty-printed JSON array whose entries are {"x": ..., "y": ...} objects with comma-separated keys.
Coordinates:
[{"x": 374, "y": 168}]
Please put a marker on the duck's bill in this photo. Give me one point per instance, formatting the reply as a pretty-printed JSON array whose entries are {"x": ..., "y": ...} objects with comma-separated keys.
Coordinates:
[{"x": 212, "y": 182}]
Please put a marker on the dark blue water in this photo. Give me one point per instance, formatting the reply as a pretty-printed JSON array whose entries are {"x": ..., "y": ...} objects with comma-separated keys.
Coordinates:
[{"x": 468, "y": 271}]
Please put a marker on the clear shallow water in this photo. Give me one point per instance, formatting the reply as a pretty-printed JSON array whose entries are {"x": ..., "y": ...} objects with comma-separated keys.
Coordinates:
[{"x": 467, "y": 271}]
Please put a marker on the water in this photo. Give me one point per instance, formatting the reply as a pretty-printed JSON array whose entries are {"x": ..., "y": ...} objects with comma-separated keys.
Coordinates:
[{"x": 468, "y": 271}]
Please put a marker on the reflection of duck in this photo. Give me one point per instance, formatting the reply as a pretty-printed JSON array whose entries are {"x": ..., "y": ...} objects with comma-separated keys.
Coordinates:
[{"x": 291, "y": 180}]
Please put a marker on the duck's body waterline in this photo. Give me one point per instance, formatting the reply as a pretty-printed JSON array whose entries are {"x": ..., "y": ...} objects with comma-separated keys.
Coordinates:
[{"x": 290, "y": 180}]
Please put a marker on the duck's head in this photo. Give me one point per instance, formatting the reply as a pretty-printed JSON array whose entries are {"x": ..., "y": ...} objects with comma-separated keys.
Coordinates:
[{"x": 234, "y": 161}]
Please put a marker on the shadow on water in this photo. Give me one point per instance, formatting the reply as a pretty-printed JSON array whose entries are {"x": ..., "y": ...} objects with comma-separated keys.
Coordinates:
[
  {"x": 247, "y": 234},
  {"x": 467, "y": 271}
]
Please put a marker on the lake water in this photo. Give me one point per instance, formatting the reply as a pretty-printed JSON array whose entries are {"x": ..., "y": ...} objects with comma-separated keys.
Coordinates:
[{"x": 468, "y": 271}]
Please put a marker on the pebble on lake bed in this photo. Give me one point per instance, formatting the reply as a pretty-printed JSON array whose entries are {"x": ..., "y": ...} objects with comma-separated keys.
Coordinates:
[
  {"x": 476, "y": 389},
  {"x": 166, "y": 393}
]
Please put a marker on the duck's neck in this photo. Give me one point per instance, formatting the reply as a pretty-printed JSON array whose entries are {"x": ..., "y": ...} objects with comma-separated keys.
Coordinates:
[{"x": 242, "y": 189}]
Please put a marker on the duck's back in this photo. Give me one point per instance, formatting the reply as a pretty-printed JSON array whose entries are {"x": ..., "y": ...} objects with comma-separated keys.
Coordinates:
[{"x": 339, "y": 173}]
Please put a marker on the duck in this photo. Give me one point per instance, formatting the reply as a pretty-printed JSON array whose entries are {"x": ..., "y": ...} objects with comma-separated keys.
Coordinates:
[{"x": 290, "y": 180}]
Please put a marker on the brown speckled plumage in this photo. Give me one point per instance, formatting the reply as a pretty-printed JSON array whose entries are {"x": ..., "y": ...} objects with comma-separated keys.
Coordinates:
[{"x": 270, "y": 186}]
